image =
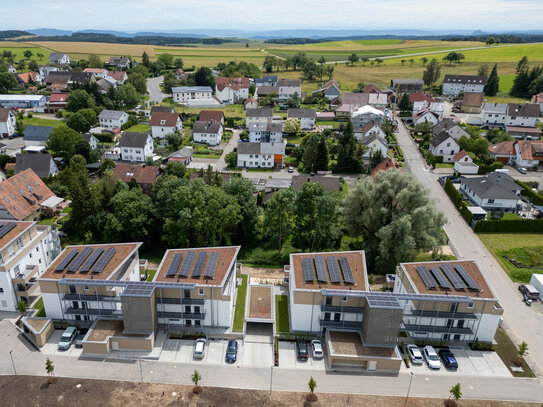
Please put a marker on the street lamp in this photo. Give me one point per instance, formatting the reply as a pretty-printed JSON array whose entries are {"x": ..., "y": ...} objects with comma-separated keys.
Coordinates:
[
  {"x": 141, "y": 372},
  {"x": 12, "y": 363},
  {"x": 408, "y": 389}
]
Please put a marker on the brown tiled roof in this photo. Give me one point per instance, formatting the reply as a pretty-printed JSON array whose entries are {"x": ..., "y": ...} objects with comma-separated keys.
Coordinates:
[
  {"x": 250, "y": 100},
  {"x": 289, "y": 82},
  {"x": 164, "y": 119},
  {"x": 473, "y": 99},
  {"x": 419, "y": 97},
  {"x": 22, "y": 194},
  {"x": 26, "y": 75},
  {"x": 4, "y": 114},
  {"x": 371, "y": 88},
  {"x": 531, "y": 150},
  {"x": 233, "y": 83},
  {"x": 385, "y": 165},
  {"x": 503, "y": 148},
  {"x": 525, "y": 110},
  {"x": 460, "y": 155},
  {"x": 117, "y": 75},
  {"x": 143, "y": 174},
  {"x": 13, "y": 233},
  {"x": 211, "y": 115},
  {"x": 328, "y": 183}
]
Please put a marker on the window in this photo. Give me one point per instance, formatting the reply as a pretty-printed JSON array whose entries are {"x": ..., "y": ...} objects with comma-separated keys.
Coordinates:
[
  {"x": 343, "y": 299},
  {"x": 86, "y": 288},
  {"x": 490, "y": 201},
  {"x": 11, "y": 251},
  {"x": 200, "y": 291},
  {"x": 1, "y": 290},
  {"x": 197, "y": 322}
]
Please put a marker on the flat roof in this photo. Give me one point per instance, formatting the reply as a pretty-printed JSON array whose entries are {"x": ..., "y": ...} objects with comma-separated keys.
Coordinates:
[
  {"x": 122, "y": 252},
  {"x": 469, "y": 265},
  {"x": 260, "y": 302},
  {"x": 226, "y": 257},
  {"x": 350, "y": 343},
  {"x": 36, "y": 324},
  {"x": 21, "y": 97},
  {"x": 357, "y": 263},
  {"x": 19, "y": 227}
]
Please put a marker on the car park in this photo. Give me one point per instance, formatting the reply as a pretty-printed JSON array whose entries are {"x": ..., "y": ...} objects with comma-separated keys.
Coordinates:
[
  {"x": 199, "y": 348},
  {"x": 415, "y": 354},
  {"x": 431, "y": 357},
  {"x": 449, "y": 361},
  {"x": 302, "y": 353},
  {"x": 231, "y": 352},
  {"x": 316, "y": 349},
  {"x": 67, "y": 338}
]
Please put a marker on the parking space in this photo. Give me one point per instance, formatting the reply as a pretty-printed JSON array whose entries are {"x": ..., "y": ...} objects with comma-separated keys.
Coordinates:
[
  {"x": 51, "y": 347},
  {"x": 256, "y": 354},
  {"x": 288, "y": 359},
  {"x": 181, "y": 351}
]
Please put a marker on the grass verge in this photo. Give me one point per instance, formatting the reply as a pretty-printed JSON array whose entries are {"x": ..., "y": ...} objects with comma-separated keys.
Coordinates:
[
  {"x": 150, "y": 275},
  {"x": 508, "y": 353},
  {"x": 281, "y": 314},
  {"x": 239, "y": 312},
  {"x": 41, "y": 309}
]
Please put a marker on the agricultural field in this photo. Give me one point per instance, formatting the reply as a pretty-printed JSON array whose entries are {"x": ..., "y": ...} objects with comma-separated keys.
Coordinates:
[{"x": 18, "y": 48}]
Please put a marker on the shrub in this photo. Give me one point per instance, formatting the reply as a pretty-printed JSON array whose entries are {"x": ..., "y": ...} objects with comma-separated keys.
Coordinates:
[
  {"x": 485, "y": 169},
  {"x": 406, "y": 360},
  {"x": 481, "y": 346},
  {"x": 104, "y": 137},
  {"x": 536, "y": 198},
  {"x": 509, "y": 226}
]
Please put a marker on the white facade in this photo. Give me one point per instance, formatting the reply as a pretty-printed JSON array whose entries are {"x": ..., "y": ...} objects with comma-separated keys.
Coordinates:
[
  {"x": 61, "y": 59},
  {"x": 7, "y": 128},
  {"x": 521, "y": 121},
  {"x": 162, "y": 131},
  {"x": 138, "y": 153},
  {"x": 212, "y": 139},
  {"x": 256, "y": 160},
  {"x": 486, "y": 203},
  {"x": 453, "y": 89},
  {"x": 108, "y": 122},
  {"x": 447, "y": 149},
  {"x": 494, "y": 114},
  {"x": 261, "y": 132},
  {"x": 426, "y": 117},
  {"x": 183, "y": 95},
  {"x": 377, "y": 144},
  {"x": 521, "y": 162},
  {"x": 230, "y": 96}
]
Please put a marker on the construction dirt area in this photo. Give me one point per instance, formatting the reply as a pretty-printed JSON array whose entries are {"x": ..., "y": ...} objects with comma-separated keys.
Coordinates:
[
  {"x": 33, "y": 391},
  {"x": 262, "y": 275}
]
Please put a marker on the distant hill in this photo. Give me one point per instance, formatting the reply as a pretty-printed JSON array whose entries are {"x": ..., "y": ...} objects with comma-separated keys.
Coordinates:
[{"x": 12, "y": 34}]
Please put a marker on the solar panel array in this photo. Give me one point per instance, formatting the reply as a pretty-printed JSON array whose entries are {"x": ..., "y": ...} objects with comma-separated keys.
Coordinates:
[
  {"x": 472, "y": 285},
  {"x": 442, "y": 282},
  {"x": 199, "y": 265},
  {"x": 321, "y": 269},
  {"x": 174, "y": 265},
  {"x": 346, "y": 269},
  {"x": 333, "y": 269},
  {"x": 6, "y": 227},
  {"x": 187, "y": 263},
  {"x": 377, "y": 301},
  {"x": 383, "y": 295},
  {"x": 426, "y": 277},
  {"x": 90, "y": 261},
  {"x": 66, "y": 260},
  {"x": 307, "y": 267},
  {"x": 103, "y": 260},
  {"x": 78, "y": 261},
  {"x": 211, "y": 265},
  {"x": 454, "y": 278},
  {"x": 138, "y": 291}
]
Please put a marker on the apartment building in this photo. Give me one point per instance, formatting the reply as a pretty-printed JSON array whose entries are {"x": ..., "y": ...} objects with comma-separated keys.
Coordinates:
[
  {"x": 265, "y": 132},
  {"x": 455, "y": 84},
  {"x": 26, "y": 249},
  {"x": 184, "y": 94}
]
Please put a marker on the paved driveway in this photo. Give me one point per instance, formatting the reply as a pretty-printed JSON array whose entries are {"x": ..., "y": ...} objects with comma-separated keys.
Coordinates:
[
  {"x": 288, "y": 359},
  {"x": 232, "y": 143},
  {"x": 153, "y": 87}
]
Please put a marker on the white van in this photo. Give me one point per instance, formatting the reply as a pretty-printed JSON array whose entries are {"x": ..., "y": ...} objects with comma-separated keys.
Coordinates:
[{"x": 502, "y": 171}]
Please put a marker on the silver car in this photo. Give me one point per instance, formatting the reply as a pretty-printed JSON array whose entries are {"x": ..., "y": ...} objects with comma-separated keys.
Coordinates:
[
  {"x": 316, "y": 349},
  {"x": 199, "y": 348},
  {"x": 431, "y": 358},
  {"x": 67, "y": 338}
]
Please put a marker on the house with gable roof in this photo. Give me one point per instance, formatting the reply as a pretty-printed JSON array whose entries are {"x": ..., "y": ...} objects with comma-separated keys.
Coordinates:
[
  {"x": 8, "y": 121},
  {"x": 207, "y": 132},
  {"x": 496, "y": 192},
  {"x": 444, "y": 145},
  {"x": 463, "y": 163},
  {"x": 112, "y": 119},
  {"x": 163, "y": 123},
  {"x": 59, "y": 58},
  {"x": 231, "y": 90},
  {"x": 136, "y": 146}
]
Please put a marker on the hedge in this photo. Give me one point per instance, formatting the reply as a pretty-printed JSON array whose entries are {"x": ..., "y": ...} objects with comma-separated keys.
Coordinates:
[
  {"x": 456, "y": 198},
  {"x": 509, "y": 226},
  {"x": 465, "y": 212},
  {"x": 527, "y": 192},
  {"x": 104, "y": 137},
  {"x": 485, "y": 169}
]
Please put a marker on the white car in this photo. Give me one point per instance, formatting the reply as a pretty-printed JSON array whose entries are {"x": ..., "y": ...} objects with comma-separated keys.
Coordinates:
[
  {"x": 522, "y": 170},
  {"x": 316, "y": 349},
  {"x": 199, "y": 348},
  {"x": 414, "y": 354},
  {"x": 431, "y": 358}
]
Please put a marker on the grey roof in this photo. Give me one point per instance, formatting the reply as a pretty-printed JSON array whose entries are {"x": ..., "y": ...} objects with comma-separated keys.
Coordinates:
[
  {"x": 248, "y": 148},
  {"x": 259, "y": 112},
  {"x": 368, "y": 139},
  {"x": 328, "y": 183},
  {"x": 39, "y": 163},
  {"x": 183, "y": 152},
  {"x": 55, "y": 56},
  {"x": 181, "y": 89},
  {"x": 162, "y": 109},
  {"x": 465, "y": 79},
  {"x": 37, "y": 133},
  {"x": 498, "y": 108},
  {"x": 301, "y": 113},
  {"x": 440, "y": 138},
  {"x": 443, "y": 125},
  {"x": 395, "y": 82},
  {"x": 118, "y": 60},
  {"x": 272, "y": 148},
  {"x": 212, "y": 127},
  {"x": 104, "y": 84},
  {"x": 134, "y": 140},
  {"x": 88, "y": 137},
  {"x": 111, "y": 114},
  {"x": 493, "y": 186},
  {"x": 525, "y": 110},
  {"x": 270, "y": 126}
]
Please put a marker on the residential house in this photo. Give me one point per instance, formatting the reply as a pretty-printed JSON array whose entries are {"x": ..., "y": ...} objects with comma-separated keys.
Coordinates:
[
  {"x": 538, "y": 100},
  {"x": 503, "y": 152},
  {"x": 425, "y": 116},
  {"x": 472, "y": 101},
  {"x": 44, "y": 71},
  {"x": 163, "y": 109},
  {"x": 444, "y": 145},
  {"x": 373, "y": 143},
  {"x": 21, "y": 196},
  {"x": 329, "y": 184},
  {"x": 369, "y": 129},
  {"x": 61, "y": 80},
  {"x": 521, "y": 120},
  {"x": 415, "y": 97},
  {"x": 259, "y": 115},
  {"x": 494, "y": 115},
  {"x": 451, "y": 127},
  {"x": 59, "y": 58},
  {"x": 183, "y": 155},
  {"x": 36, "y": 135},
  {"x": 136, "y": 146},
  {"x": 91, "y": 139},
  {"x": 261, "y": 155},
  {"x": 266, "y": 80},
  {"x": 211, "y": 115},
  {"x": 57, "y": 101},
  {"x": 385, "y": 165},
  {"x": 264, "y": 91},
  {"x": 119, "y": 62},
  {"x": 180, "y": 75},
  {"x": 42, "y": 164},
  {"x": 250, "y": 103},
  {"x": 207, "y": 132},
  {"x": 529, "y": 154},
  {"x": 407, "y": 85},
  {"x": 8, "y": 121},
  {"x": 26, "y": 250},
  {"x": 10, "y": 68},
  {"x": 463, "y": 163},
  {"x": 185, "y": 94},
  {"x": 306, "y": 117},
  {"x": 455, "y": 84},
  {"x": 288, "y": 88},
  {"x": 28, "y": 78},
  {"x": 106, "y": 84},
  {"x": 163, "y": 123},
  {"x": 353, "y": 101},
  {"x": 366, "y": 114},
  {"x": 371, "y": 88},
  {"x": 144, "y": 175},
  {"x": 22, "y": 101},
  {"x": 99, "y": 73},
  {"x": 112, "y": 119},
  {"x": 330, "y": 90},
  {"x": 494, "y": 192},
  {"x": 119, "y": 76},
  {"x": 231, "y": 90},
  {"x": 269, "y": 132}
]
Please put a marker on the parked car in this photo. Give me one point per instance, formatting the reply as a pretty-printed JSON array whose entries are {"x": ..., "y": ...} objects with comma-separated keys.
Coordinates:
[
  {"x": 67, "y": 338},
  {"x": 301, "y": 350},
  {"x": 431, "y": 357},
  {"x": 414, "y": 354},
  {"x": 449, "y": 361},
  {"x": 522, "y": 170},
  {"x": 199, "y": 348},
  {"x": 291, "y": 169},
  {"x": 80, "y": 337},
  {"x": 529, "y": 290},
  {"x": 231, "y": 352},
  {"x": 316, "y": 349}
]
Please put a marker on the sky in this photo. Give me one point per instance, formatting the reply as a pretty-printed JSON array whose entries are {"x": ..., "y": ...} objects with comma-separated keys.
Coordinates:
[{"x": 251, "y": 15}]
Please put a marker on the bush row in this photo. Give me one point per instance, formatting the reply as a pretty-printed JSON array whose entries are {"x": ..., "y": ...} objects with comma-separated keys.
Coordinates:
[
  {"x": 510, "y": 226},
  {"x": 527, "y": 192},
  {"x": 485, "y": 169},
  {"x": 456, "y": 198}
]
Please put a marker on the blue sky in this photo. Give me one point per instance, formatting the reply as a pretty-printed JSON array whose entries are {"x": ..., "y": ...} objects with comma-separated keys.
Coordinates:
[{"x": 137, "y": 15}]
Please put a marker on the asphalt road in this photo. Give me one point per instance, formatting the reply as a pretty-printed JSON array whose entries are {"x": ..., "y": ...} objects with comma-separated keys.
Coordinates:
[
  {"x": 220, "y": 165},
  {"x": 153, "y": 87},
  {"x": 521, "y": 323}
]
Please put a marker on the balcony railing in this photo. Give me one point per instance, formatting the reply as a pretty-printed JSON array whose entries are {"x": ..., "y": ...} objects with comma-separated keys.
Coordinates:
[
  {"x": 437, "y": 329},
  {"x": 24, "y": 276},
  {"x": 184, "y": 301},
  {"x": 93, "y": 311},
  {"x": 25, "y": 290},
  {"x": 90, "y": 297},
  {"x": 440, "y": 314},
  {"x": 184, "y": 315},
  {"x": 336, "y": 308},
  {"x": 340, "y": 324}
]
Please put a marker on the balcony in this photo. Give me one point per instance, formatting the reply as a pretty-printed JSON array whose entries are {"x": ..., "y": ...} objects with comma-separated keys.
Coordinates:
[
  {"x": 437, "y": 329},
  {"x": 335, "y": 308},
  {"x": 184, "y": 315},
  {"x": 24, "y": 276},
  {"x": 340, "y": 324},
  {"x": 440, "y": 314},
  {"x": 26, "y": 290},
  {"x": 179, "y": 301},
  {"x": 93, "y": 311},
  {"x": 87, "y": 297}
]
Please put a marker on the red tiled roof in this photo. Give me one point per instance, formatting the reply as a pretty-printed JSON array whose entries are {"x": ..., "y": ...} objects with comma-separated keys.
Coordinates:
[
  {"x": 531, "y": 150},
  {"x": 419, "y": 97},
  {"x": 503, "y": 148},
  {"x": 25, "y": 76},
  {"x": 164, "y": 119},
  {"x": 117, "y": 75},
  {"x": 233, "y": 83},
  {"x": 143, "y": 174},
  {"x": 211, "y": 115},
  {"x": 460, "y": 155},
  {"x": 58, "y": 97},
  {"x": 384, "y": 166}
]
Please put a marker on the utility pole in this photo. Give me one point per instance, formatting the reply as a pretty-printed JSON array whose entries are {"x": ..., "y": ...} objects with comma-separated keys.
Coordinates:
[
  {"x": 12, "y": 363},
  {"x": 141, "y": 372},
  {"x": 408, "y": 389},
  {"x": 271, "y": 379}
]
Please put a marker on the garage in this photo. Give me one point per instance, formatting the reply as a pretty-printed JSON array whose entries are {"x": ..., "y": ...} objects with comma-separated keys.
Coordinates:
[{"x": 259, "y": 332}]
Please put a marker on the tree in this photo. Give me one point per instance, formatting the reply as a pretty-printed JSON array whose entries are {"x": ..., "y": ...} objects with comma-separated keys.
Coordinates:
[
  {"x": 349, "y": 157},
  {"x": 244, "y": 191},
  {"x": 521, "y": 81},
  {"x": 522, "y": 349},
  {"x": 269, "y": 63},
  {"x": 95, "y": 61},
  {"x": 411, "y": 61},
  {"x": 353, "y": 58},
  {"x": 322, "y": 60},
  {"x": 310, "y": 70},
  {"x": 490, "y": 41},
  {"x": 456, "y": 391},
  {"x": 175, "y": 168},
  {"x": 145, "y": 59},
  {"x": 50, "y": 368},
  {"x": 376, "y": 158},
  {"x": 7, "y": 82},
  {"x": 279, "y": 216},
  {"x": 312, "y": 384},
  {"x": 170, "y": 81},
  {"x": 493, "y": 84},
  {"x": 299, "y": 60},
  {"x": 174, "y": 141},
  {"x": 23, "y": 306},
  {"x": 424, "y": 60},
  {"x": 432, "y": 73},
  {"x": 204, "y": 77},
  {"x": 33, "y": 66},
  {"x": 482, "y": 70},
  {"x": 178, "y": 63},
  {"x": 231, "y": 159},
  {"x": 395, "y": 217},
  {"x": 379, "y": 61},
  {"x": 329, "y": 69},
  {"x": 405, "y": 104},
  {"x": 166, "y": 60},
  {"x": 138, "y": 81},
  {"x": 403, "y": 61},
  {"x": 196, "y": 377},
  {"x": 83, "y": 148},
  {"x": 27, "y": 54},
  {"x": 495, "y": 136},
  {"x": 364, "y": 59},
  {"x": 127, "y": 95},
  {"x": 78, "y": 122},
  {"x": 322, "y": 155},
  {"x": 62, "y": 141},
  {"x": 292, "y": 126},
  {"x": 106, "y": 165},
  {"x": 79, "y": 99}
]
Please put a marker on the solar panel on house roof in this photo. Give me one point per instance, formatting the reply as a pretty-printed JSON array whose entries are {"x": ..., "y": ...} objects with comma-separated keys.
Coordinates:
[
  {"x": 90, "y": 261},
  {"x": 104, "y": 260},
  {"x": 199, "y": 265},
  {"x": 78, "y": 261},
  {"x": 307, "y": 267},
  {"x": 211, "y": 265},
  {"x": 472, "y": 285},
  {"x": 440, "y": 278},
  {"x": 453, "y": 276},
  {"x": 6, "y": 227},
  {"x": 66, "y": 260},
  {"x": 321, "y": 269},
  {"x": 346, "y": 269},
  {"x": 333, "y": 269},
  {"x": 187, "y": 263},
  {"x": 174, "y": 265},
  {"x": 426, "y": 277}
]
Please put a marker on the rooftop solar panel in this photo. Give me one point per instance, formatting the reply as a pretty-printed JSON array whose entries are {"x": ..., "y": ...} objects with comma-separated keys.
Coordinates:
[
  {"x": 6, "y": 227},
  {"x": 211, "y": 265},
  {"x": 103, "y": 260},
  {"x": 199, "y": 265},
  {"x": 307, "y": 266},
  {"x": 174, "y": 265},
  {"x": 92, "y": 258},
  {"x": 333, "y": 269},
  {"x": 453, "y": 276},
  {"x": 66, "y": 260},
  {"x": 187, "y": 263},
  {"x": 472, "y": 285},
  {"x": 426, "y": 277},
  {"x": 346, "y": 269},
  {"x": 78, "y": 261},
  {"x": 440, "y": 278},
  {"x": 321, "y": 269}
]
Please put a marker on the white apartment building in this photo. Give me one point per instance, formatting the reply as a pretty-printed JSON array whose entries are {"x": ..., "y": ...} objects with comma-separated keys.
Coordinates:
[{"x": 454, "y": 84}]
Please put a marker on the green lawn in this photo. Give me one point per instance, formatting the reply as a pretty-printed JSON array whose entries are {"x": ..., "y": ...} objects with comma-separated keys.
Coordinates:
[
  {"x": 140, "y": 128},
  {"x": 39, "y": 306},
  {"x": 281, "y": 314},
  {"x": 295, "y": 139},
  {"x": 444, "y": 165},
  {"x": 526, "y": 248},
  {"x": 37, "y": 121},
  {"x": 507, "y": 351},
  {"x": 150, "y": 275},
  {"x": 48, "y": 221},
  {"x": 239, "y": 312},
  {"x": 19, "y": 54}
]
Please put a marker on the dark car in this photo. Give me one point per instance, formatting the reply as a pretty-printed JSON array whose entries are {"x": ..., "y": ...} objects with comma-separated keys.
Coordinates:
[
  {"x": 80, "y": 337},
  {"x": 231, "y": 352},
  {"x": 449, "y": 361},
  {"x": 302, "y": 351}
]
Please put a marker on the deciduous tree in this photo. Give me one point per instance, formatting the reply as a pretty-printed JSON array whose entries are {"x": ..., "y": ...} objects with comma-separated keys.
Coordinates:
[
  {"x": 432, "y": 73},
  {"x": 279, "y": 216}
]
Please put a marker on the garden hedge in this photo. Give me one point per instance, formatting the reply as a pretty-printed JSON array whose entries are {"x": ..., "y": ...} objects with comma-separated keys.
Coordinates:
[
  {"x": 527, "y": 192},
  {"x": 509, "y": 226}
]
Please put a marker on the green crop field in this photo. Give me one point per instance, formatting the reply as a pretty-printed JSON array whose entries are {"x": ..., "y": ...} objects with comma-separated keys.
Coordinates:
[{"x": 19, "y": 51}]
